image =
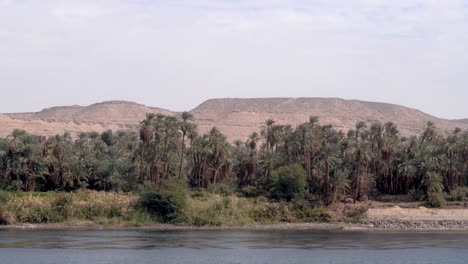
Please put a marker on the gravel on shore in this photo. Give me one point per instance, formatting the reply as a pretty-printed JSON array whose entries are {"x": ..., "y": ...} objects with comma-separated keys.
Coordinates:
[
  {"x": 396, "y": 224},
  {"x": 368, "y": 225}
]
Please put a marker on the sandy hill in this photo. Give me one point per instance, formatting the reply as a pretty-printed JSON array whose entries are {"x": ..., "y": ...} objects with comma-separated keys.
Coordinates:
[
  {"x": 4, "y": 118},
  {"x": 115, "y": 115},
  {"x": 463, "y": 121},
  {"x": 110, "y": 112},
  {"x": 237, "y": 118}
]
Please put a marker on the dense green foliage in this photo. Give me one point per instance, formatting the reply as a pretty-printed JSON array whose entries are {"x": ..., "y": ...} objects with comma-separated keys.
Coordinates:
[
  {"x": 279, "y": 162},
  {"x": 288, "y": 183},
  {"x": 166, "y": 203}
]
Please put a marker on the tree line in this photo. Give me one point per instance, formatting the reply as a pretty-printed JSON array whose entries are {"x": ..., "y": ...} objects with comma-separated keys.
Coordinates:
[{"x": 371, "y": 159}]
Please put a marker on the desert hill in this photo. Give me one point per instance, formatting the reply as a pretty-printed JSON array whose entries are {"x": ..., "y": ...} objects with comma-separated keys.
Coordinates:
[
  {"x": 114, "y": 115},
  {"x": 237, "y": 118},
  {"x": 110, "y": 112},
  {"x": 464, "y": 121}
]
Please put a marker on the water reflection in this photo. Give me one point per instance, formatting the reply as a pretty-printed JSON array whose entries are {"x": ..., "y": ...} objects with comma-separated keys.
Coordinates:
[
  {"x": 304, "y": 240},
  {"x": 219, "y": 247}
]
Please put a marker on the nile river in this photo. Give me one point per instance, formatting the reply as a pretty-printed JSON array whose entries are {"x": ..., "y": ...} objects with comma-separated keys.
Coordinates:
[{"x": 133, "y": 247}]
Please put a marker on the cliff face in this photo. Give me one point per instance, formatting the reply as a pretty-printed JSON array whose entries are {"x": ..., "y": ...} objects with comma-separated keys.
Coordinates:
[{"x": 237, "y": 118}]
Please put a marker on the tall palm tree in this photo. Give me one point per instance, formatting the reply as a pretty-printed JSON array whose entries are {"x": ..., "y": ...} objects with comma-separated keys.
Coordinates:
[
  {"x": 146, "y": 135},
  {"x": 30, "y": 156},
  {"x": 252, "y": 163},
  {"x": 155, "y": 170},
  {"x": 267, "y": 133},
  {"x": 185, "y": 127},
  {"x": 60, "y": 146},
  {"x": 329, "y": 157}
]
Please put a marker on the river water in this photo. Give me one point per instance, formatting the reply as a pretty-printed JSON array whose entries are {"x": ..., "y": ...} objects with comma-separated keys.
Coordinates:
[{"x": 269, "y": 247}]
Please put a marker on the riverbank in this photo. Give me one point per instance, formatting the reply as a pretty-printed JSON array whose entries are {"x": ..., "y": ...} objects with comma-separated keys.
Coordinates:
[
  {"x": 208, "y": 211},
  {"x": 376, "y": 219},
  {"x": 365, "y": 225}
]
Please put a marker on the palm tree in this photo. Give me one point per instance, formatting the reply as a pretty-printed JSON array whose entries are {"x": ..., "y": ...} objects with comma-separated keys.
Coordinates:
[
  {"x": 30, "y": 156},
  {"x": 185, "y": 127},
  {"x": 146, "y": 135},
  {"x": 267, "y": 133},
  {"x": 220, "y": 154},
  {"x": 60, "y": 145},
  {"x": 428, "y": 134},
  {"x": 329, "y": 157},
  {"x": 155, "y": 170},
  {"x": 170, "y": 141},
  {"x": 340, "y": 183},
  {"x": 360, "y": 156},
  {"x": 252, "y": 163}
]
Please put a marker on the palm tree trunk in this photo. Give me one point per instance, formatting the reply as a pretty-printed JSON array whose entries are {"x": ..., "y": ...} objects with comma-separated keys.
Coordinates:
[
  {"x": 358, "y": 183},
  {"x": 142, "y": 157},
  {"x": 327, "y": 183},
  {"x": 154, "y": 164},
  {"x": 182, "y": 153}
]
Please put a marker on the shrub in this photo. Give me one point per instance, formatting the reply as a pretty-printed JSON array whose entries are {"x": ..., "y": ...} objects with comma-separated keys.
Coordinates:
[
  {"x": 435, "y": 200},
  {"x": 6, "y": 217},
  {"x": 167, "y": 203},
  {"x": 304, "y": 212},
  {"x": 4, "y": 196},
  {"x": 355, "y": 214},
  {"x": 61, "y": 205},
  {"x": 458, "y": 194},
  {"x": 288, "y": 183},
  {"x": 253, "y": 191},
  {"x": 222, "y": 189}
]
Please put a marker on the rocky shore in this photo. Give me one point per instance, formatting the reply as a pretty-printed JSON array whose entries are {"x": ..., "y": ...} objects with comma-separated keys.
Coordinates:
[
  {"x": 395, "y": 224},
  {"x": 366, "y": 225}
]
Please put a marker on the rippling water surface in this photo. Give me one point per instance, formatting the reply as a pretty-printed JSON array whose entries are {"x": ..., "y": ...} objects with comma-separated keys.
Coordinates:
[{"x": 80, "y": 247}]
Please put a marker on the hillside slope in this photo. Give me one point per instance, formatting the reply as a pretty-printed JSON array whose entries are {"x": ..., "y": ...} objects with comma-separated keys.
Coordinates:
[
  {"x": 462, "y": 121},
  {"x": 237, "y": 118},
  {"x": 114, "y": 115}
]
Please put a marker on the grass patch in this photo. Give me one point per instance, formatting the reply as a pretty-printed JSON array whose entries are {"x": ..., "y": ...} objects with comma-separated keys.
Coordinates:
[{"x": 167, "y": 204}]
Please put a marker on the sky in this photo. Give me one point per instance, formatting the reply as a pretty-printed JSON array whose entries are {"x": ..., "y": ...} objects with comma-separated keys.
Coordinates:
[{"x": 177, "y": 53}]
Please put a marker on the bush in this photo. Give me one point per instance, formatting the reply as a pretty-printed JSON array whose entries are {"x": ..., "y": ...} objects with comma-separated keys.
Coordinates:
[
  {"x": 458, "y": 194},
  {"x": 167, "y": 203},
  {"x": 288, "y": 183},
  {"x": 253, "y": 191},
  {"x": 435, "y": 200},
  {"x": 355, "y": 214},
  {"x": 52, "y": 207},
  {"x": 222, "y": 189},
  {"x": 62, "y": 204},
  {"x": 273, "y": 213},
  {"x": 4, "y": 196},
  {"x": 304, "y": 212},
  {"x": 6, "y": 217}
]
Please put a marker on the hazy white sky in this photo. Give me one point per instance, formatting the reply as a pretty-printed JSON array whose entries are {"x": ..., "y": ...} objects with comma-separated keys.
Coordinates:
[{"x": 175, "y": 53}]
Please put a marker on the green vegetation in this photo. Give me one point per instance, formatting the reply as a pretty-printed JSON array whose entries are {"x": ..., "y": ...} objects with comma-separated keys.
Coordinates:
[
  {"x": 165, "y": 205},
  {"x": 169, "y": 172},
  {"x": 288, "y": 183}
]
